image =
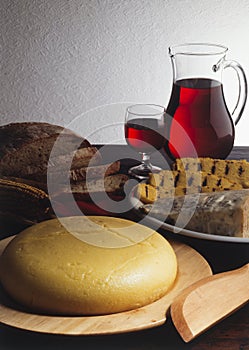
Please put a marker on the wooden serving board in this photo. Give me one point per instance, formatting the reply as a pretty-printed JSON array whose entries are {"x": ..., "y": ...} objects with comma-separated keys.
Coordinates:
[{"x": 191, "y": 268}]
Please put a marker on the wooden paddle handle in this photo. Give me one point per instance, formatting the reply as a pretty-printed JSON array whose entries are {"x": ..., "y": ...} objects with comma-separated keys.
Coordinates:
[{"x": 209, "y": 300}]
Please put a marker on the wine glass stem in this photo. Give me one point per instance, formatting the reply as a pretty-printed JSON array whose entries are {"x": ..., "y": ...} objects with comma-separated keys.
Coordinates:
[{"x": 146, "y": 161}]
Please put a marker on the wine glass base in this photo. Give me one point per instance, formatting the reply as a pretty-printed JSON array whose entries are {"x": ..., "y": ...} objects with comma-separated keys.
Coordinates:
[{"x": 141, "y": 172}]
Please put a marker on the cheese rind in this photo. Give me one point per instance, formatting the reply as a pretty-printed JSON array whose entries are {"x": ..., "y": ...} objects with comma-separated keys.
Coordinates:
[
  {"x": 221, "y": 213},
  {"x": 49, "y": 270}
]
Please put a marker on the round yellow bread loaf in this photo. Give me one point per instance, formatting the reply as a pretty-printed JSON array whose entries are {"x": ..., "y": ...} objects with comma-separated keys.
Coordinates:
[{"x": 50, "y": 269}]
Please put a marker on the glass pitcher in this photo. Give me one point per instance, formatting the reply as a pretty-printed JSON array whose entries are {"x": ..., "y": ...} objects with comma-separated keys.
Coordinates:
[{"x": 198, "y": 122}]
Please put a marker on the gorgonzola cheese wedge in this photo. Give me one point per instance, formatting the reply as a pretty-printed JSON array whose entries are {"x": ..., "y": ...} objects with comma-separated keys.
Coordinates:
[{"x": 223, "y": 213}]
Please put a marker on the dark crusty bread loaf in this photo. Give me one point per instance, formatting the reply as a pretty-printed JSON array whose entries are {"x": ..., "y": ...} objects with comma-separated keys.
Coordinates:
[
  {"x": 36, "y": 184},
  {"x": 30, "y": 201},
  {"x": 80, "y": 158},
  {"x": 30, "y": 155},
  {"x": 94, "y": 171},
  {"x": 83, "y": 173},
  {"x": 63, "y": 173},
  {"x": 14, "y": 135},
  {"x": 21, "y": 205},
  {"x": 36, "y": 157},
  {"x": 59, "y": 166},
  {"x": 112, "y": 184}
]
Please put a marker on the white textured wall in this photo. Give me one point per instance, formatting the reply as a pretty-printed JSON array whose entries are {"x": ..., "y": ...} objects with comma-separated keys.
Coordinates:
[{"x": 79, "y": 62}]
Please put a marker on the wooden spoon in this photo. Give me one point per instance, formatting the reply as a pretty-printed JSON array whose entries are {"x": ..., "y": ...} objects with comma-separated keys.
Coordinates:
[{"x": 209, "y": 300}]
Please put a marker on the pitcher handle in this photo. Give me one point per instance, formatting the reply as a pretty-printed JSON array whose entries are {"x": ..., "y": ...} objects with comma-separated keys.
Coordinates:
[{"x": 241, "y": 102}]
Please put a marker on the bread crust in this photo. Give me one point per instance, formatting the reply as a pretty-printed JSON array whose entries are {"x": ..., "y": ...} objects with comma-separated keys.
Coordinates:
[
  {"x": 26, "y": 148},
  {"x": 21, "y": 205},
  {"x": 14, "y": 135},
  {"x": 112, "y": 184}
]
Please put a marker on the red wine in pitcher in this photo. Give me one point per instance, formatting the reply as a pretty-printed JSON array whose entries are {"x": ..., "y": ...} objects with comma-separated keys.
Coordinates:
[
  {"x": 197, "y": 120},
  {"x": 145, "y": 134}
]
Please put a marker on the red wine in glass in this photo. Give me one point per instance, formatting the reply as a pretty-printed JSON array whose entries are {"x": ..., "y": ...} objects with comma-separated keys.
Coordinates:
[
  {"x": 197, "y": 120},
  {"x": 145, "y": 133}
]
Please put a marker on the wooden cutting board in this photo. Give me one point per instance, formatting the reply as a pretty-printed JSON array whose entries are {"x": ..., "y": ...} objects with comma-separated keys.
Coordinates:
[{"x": 191, "y": 268}]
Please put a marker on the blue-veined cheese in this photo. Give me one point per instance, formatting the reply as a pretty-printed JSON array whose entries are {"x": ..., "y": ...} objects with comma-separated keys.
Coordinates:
[{"x": 223, "y": 213}]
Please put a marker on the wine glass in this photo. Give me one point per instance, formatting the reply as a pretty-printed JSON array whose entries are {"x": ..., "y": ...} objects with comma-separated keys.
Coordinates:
[{"x": 144, "y": 132}]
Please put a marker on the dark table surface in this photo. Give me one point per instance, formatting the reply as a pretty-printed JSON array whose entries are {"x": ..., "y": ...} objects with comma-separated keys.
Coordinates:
[{"x": 232, "y": 333}]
